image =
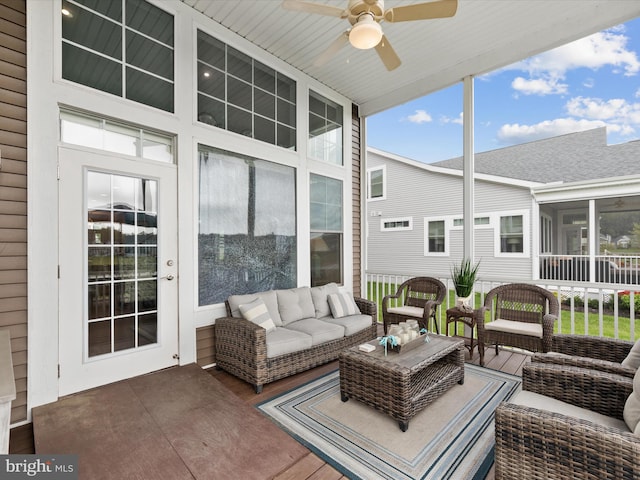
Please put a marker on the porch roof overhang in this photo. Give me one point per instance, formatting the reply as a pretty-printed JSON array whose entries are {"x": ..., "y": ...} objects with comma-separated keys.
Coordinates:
[
  {"x": 484, "y": 35},
  {"x": 614, "y": 187}
]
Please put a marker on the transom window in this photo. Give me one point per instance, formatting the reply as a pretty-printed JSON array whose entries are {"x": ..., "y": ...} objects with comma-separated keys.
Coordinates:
[
  {"x": 325, "y": 129},
  {"x": 243, "y": 95},
  {"x": 397, "y": 224},
  {"x": 125, "y": 48}
]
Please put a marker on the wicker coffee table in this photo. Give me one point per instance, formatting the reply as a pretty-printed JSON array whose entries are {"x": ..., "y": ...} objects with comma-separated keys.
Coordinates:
[{"x": 402, "y": 384}]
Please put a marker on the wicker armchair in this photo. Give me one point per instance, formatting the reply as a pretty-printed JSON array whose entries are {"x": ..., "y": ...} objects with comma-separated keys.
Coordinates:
[
  {"x": 598, "y": 353},
  {"x": 523, "y": 316},
  {"x": 537, "y": 444},
  {"x": 421, "y": 297}
]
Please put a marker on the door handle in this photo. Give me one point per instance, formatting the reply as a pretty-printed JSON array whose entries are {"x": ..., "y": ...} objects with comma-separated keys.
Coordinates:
[{"x": 168, "y": 277}]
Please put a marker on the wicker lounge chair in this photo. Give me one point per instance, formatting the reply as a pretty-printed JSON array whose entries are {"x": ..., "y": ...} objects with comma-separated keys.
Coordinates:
[
  {"x": 420, "y": 296},
  {"x": 537, "y": 444},
  {"x": 599, "y": 353},
  {"x": 522, "y": 315}
]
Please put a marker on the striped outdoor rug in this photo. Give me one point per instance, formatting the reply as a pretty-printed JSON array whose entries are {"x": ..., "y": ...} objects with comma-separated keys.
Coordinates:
[{"x": 452, "y": 438}]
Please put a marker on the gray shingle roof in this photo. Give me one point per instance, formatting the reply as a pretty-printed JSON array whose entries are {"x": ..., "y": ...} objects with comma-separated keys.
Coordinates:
[{"x": 567, "y": 158}]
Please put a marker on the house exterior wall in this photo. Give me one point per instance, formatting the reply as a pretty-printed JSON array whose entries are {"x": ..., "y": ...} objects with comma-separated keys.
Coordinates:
[
  {"x": 415, "y": 193},
  {"x": 48, "y": 92},
  {"x": 13, "y": 192}
]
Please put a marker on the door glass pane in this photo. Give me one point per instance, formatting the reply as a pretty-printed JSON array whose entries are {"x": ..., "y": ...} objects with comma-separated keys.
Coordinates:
[{"x": 122, "y": 262}]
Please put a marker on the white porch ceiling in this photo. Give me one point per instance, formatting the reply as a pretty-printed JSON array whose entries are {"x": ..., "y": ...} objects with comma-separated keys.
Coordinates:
[{"x": 483, "y": 35}]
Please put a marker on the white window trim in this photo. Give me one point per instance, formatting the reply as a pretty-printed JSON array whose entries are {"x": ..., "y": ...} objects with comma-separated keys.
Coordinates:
[
  {"x": 397, "y": 219},
  {"x": 448, "y": 226},
  {"x": 526, "y": 234},
  {"x": 546, "y": 229},
  {"x": 384, "y": 183}
]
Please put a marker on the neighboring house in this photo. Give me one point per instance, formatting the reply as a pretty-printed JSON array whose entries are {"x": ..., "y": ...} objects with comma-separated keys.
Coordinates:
[{"x": 537, "y": 210}]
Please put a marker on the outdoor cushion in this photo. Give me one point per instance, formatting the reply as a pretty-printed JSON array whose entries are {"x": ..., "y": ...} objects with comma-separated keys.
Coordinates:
[
  {"x": 550, "y": 404},
  {"x": 631, "y": 412},
  {"x": 633, "y": 358},
  {"x": 257, "y": 313},
  {"x": 319, "y": 331},
  {"x": 284, "y": 340},
  {"x": 320, "y": 302},
  {"x": 269, "y": 298},
  {"x": 521, "y": 328},
  {"x": 417, "y": 312},
  {"x": 295, "y": 304},
  {"x": 352, "y": 324},
  {"x": 342, "y": 304}
]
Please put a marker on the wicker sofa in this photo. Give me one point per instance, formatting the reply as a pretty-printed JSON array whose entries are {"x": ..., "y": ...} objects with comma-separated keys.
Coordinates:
[{"x": 307, "y": 331}]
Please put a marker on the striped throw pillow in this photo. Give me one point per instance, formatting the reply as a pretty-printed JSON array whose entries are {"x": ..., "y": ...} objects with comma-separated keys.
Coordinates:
[
  {"x": 257, "y": 313},
  {"x": 342, "y": 305}
]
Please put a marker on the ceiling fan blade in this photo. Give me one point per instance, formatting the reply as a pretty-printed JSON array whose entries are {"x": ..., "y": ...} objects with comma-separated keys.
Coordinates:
[
  {"x": 422, "y": 11},
  {"x": 387, "y": 54},
  {"x": 318, "y": 8},
  {"x": 333, "y": 48}
]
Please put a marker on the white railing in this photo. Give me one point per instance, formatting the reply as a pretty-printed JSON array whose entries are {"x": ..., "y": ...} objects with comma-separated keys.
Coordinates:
[
  {"x": 586, "y": 309},
  {"x": 611, "y": 269}
]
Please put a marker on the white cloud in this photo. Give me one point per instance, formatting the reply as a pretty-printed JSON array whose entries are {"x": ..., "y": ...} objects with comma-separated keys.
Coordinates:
[
  {"x": 421, "y": 116},
  {"x": 457, "y": 120},
  {"x": 538, "y": 86},
  {"x": 515, "y": 133}
]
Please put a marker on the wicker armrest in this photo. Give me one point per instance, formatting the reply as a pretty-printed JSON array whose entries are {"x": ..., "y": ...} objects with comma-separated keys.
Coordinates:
[
  {"x": 536, "y": 444},
  {"x": 367, "y": 307},
  {"x": 602, "y": 348},
  {"x": 584, "y": 362},
  {"x": 240, "y": 338},
  {"x": 600, "y": 392}
]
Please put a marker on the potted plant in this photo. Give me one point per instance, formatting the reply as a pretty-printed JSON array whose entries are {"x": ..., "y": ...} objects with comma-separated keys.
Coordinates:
[{"x": 464, "y": 276}]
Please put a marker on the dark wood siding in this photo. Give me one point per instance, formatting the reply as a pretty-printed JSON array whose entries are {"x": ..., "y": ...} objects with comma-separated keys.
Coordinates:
[
  {"x": 205, "y": 345},
  {"x": 13, "y": 191},
  {"x": 356, "y": 185}
]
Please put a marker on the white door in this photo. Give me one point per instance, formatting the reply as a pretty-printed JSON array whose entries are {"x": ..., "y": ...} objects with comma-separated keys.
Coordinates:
[{"x": 118, "y": 268}]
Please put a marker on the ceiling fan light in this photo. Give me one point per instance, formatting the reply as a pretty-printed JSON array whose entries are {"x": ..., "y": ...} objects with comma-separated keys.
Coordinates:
[{"x": 366, "y": 33}]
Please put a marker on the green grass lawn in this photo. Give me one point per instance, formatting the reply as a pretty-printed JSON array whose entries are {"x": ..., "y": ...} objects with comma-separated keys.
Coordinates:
[{"x": 379, "y": 290}]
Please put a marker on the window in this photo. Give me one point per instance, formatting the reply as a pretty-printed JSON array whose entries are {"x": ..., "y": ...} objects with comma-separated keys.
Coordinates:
[
  {"x": 397, "y": 224},
  {"x": 546, "y": 234},
  {"x": 511, "y": 234},
  {"x": 477, "y": 221},
  {"x": 247, "y": 226},
  {"x": 95, "y": 132},
  {"x": 325, "y": 129},
  {"x": 376, "y": 183},
  {"x": 123, "y": 48},
  {"x": 326, "y": 230},
  {"x": 242, "y": 95},
  {"x": 436, "y": 236}
]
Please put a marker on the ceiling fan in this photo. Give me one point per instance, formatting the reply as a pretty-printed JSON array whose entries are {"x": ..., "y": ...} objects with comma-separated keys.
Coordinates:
[{"x": 365, "y": 17}]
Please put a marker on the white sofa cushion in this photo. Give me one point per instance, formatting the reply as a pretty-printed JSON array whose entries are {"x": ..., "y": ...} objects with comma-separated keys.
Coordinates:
[
  {"x": 319, "y": 331},
  {"x": 295, "y": 304},
  {"x": 284, "y": 340},
  {"x": 269, "y": 298},
  {"x": 509, "y": 326},
  {"x": 631, "y": 412},
  {"x": 257, "y": 313},
  {"x": 319, "y": 297},
  {"x": 632, "y": 360},
  {"x": 342, "y": 304},
  {"x": 351, "y": 324},
  {"x": 542, "y": 402}
]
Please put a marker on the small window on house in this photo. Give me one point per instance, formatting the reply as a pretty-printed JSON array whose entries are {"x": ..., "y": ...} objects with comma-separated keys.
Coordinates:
[
  {"x": 122, "y": 48},
  {"x": 397, "y": 224},
  {"x": 459, "y": 222},
  {"x": 436, "y": 236},
  {"x": 511, "y": 234},
  {"x": 325, "y": 129},
  {"x": 376, "y": 181}
]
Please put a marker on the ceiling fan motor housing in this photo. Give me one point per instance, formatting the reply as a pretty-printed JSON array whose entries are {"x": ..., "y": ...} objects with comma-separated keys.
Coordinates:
[{"x": 359, "y": 7}]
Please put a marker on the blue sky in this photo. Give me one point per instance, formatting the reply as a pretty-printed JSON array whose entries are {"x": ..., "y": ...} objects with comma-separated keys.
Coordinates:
[{"x": 588, "y": 83}]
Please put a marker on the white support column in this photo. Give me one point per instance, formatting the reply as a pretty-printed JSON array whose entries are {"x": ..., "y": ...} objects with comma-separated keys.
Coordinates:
[
  {"x": 592, "y": 232},
  {"x": 468, "y": 169},
  {"x": 7, "y": 389}
]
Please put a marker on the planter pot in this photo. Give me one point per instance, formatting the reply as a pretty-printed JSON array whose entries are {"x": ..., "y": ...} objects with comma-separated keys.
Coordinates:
[{"x": 464, "y": 303}]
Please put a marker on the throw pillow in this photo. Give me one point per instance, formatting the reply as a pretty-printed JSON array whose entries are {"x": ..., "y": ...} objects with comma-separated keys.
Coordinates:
[
  {"x": 633, "y": 358},
  {"x": 631, "y": 412},
  {"x": 342, "y": 305},
  {"x": 257, "y": 313}
]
